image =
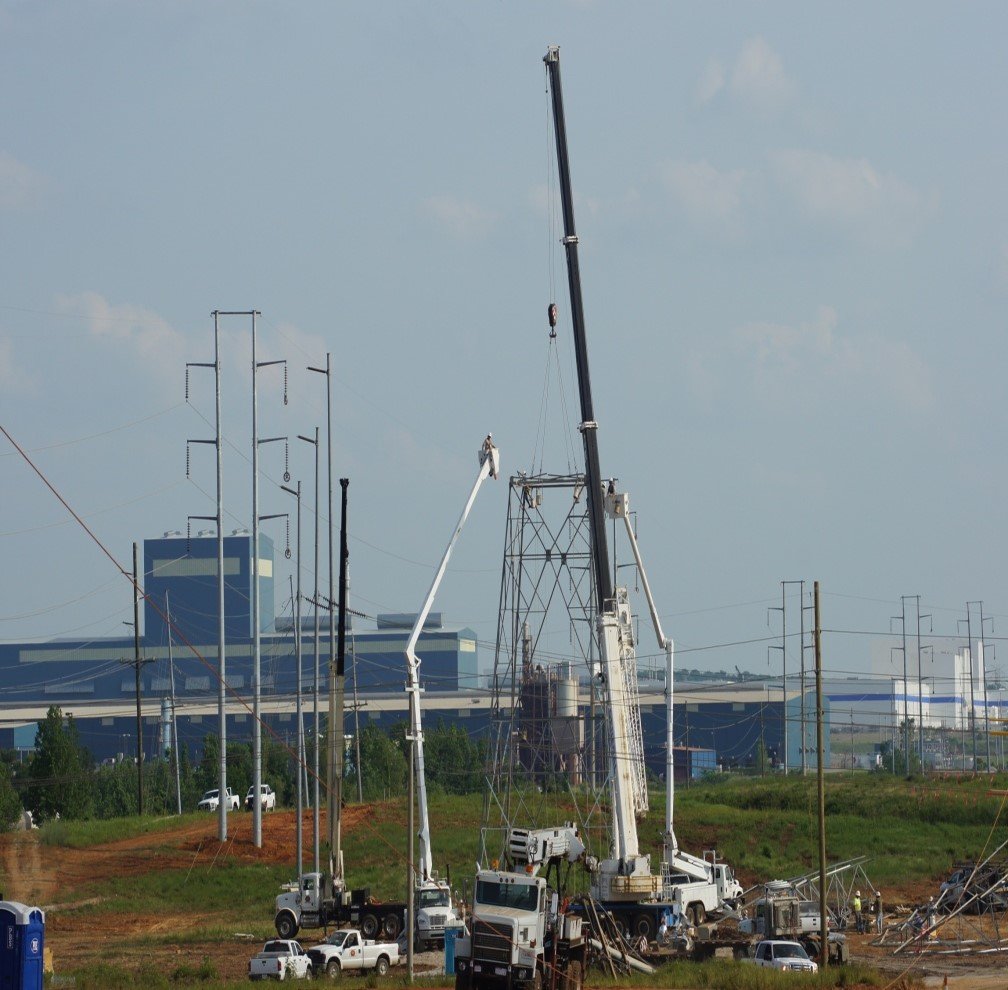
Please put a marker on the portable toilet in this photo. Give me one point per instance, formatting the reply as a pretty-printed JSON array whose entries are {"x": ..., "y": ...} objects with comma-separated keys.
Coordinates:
[
  {"x": 22, "y": 938},
  {"x": 451, "y": 933}
]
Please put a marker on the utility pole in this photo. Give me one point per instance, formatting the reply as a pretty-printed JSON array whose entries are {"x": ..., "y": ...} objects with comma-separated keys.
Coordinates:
[
  {"x": 410, "y": 882},
  {"x": 296, "y": 603},
  {"x": 920, "y": 684},
  {"x": 338, "y": 734},
  {"x": 356, "y": 713},
  {"x": 906, "y": 713},
  {"x": 335, "y": 852},
  {"x": 256, "y": 622},
  {"x": 136, "y": 663},
  {"x": 174, "y": 744},
  {"x": 969, "y": 657},
  {"x": 801, "y": 682},
  {"x": 784, "y": 670},
  {"x": 820, "y": 787},
  {"x": 982, "y": 671},
  {"x": 315, "y": 688},
  {"x": 222, "y": 807},
  {"x": 901, "y": 619}
]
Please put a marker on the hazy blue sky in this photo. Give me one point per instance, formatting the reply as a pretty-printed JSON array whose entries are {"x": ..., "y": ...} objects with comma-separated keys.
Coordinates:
[{"x": 794, "y": 247}]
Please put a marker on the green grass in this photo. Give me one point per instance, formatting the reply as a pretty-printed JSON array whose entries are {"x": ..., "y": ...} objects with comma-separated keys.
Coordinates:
[
  {"x": 228, "y": 893},
  {"x": 720, "y": 974},
  {"x": 713, "y": 975},
  {"x": 912, "y": 831},
  {"x": 81, "y": 834}
]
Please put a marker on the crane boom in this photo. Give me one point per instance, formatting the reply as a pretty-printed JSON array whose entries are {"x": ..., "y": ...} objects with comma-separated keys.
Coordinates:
[
  {"x": 588, "y": 427},
  {"x": 489, "y": 458}
]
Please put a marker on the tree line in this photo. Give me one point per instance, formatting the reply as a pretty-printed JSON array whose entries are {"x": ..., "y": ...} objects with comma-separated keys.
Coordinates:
[{"x": 61, "y": 779}]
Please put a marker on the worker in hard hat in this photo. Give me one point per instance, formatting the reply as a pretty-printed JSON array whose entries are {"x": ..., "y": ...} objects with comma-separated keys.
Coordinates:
[
  {"x": 858, "y": 917},
  {"x": 877, "y": 907}
]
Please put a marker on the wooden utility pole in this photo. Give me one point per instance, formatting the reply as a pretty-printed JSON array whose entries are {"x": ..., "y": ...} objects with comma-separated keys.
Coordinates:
[
  {"x": 136, "y": 663},
  {"x": 823, "y": 933},
  {"x": 410, "y": 882}
]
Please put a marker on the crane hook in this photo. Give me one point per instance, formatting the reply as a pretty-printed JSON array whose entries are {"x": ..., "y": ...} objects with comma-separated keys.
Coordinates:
[{"x": 551, "y": 312}]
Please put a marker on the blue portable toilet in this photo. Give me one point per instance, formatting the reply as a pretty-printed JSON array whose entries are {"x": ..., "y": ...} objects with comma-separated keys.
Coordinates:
[
  {"x": 451, "y": 933},
  {"x": 22, "y": 938}
]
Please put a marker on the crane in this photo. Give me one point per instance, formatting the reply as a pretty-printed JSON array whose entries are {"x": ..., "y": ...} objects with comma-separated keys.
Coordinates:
[
  {"x": 432, "y": 894},
  {"x": 624, "y": 878}
]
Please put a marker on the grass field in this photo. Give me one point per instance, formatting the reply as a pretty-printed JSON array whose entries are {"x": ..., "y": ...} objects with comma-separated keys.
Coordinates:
[{"x": 912, "y": 830}]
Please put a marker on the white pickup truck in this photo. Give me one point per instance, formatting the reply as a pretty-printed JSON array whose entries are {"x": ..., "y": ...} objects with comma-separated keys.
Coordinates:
[
  {"x": 781, "y": 955},
  {"x": 267, "y": 797},
  {"x": 280, "y": 959},
  {"x": 211, "y": 800},
  {"x": 346, "y": 950}
]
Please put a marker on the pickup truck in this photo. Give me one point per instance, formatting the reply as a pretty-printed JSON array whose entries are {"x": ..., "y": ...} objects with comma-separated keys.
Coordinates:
[
  {"x": 346, "y": 950},
  {"x": 267, "y": 797},
  {"x": 279, "y": 959},
  {"x": 786, "y": 956},
  {"x": 211, "y": 800}
]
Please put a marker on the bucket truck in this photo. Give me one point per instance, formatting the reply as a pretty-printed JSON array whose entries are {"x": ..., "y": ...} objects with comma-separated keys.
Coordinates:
[
  {"x": 623, "y": 881},
  {"x": 318, "y": 900},
  {"x": 432, "y": 895}
]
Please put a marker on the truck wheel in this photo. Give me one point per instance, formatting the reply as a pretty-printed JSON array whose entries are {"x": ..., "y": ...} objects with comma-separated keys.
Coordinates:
[
  {"x": 644, "y": 926},
  {"x": 369, "y": 925},
  {"x": 333, "y": 969},
  {"x": 696, "y": 913},
  {"x": 390, "y": 926},
  {"x": 381, "y": 967},
  {"x": 286, "y": 925}
]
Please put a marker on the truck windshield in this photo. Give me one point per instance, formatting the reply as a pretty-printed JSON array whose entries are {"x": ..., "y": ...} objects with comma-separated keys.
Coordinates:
[
  {"x": 788, "y": 950},
  {"x": 524, "y": 897},
  {"x": 432, "y": 898},
  {"x": 337, "y": 938}
]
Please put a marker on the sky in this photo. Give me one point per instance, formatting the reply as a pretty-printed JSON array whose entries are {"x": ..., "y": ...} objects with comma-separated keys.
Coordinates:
[{"x": 794, "y": 255}]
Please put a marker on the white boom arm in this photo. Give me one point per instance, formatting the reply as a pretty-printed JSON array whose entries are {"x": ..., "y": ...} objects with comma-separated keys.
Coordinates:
[
  {"x": 489, "y": 458},
  {"x": 618, "y": 506}
]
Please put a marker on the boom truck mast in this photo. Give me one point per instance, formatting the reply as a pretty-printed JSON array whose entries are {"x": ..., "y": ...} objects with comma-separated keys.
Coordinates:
[
  {"x": 624, "y": 881},
  {"x": 320, "y": 900},
  {"x": 432, "y": 895}
]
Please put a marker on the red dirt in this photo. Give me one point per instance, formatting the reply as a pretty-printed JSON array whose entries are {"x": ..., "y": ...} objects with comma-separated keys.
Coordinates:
[{"x": 48, "y": 876}]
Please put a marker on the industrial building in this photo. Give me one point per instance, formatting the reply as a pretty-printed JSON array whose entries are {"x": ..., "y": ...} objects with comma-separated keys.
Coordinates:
[{"x": 95, "y": 680}]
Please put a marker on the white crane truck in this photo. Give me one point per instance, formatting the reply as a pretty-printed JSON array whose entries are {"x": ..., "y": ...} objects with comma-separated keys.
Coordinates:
[{"x": 623, "y": 882}]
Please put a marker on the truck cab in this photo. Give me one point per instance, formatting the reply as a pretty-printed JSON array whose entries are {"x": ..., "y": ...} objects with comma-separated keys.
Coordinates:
[
  {"x": 518, "y": 938},
  {"x": 308, "y": 903},
  {"x": 509, "y": 931},
  {"x": 434, "y": 911}
]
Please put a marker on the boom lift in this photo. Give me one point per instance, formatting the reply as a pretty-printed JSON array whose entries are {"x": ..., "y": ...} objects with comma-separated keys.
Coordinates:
[
  {"x": 432, "y": 895},
  {"x": 318, "y": 900}
]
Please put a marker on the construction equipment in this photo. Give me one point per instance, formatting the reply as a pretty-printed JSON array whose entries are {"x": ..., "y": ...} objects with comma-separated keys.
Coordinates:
[
  {"x": 520, "y": 935},
  {"x": 432, "y": 896},
  {"x": 624, "y": 882},
  {"x": 318, "y": 900}
]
